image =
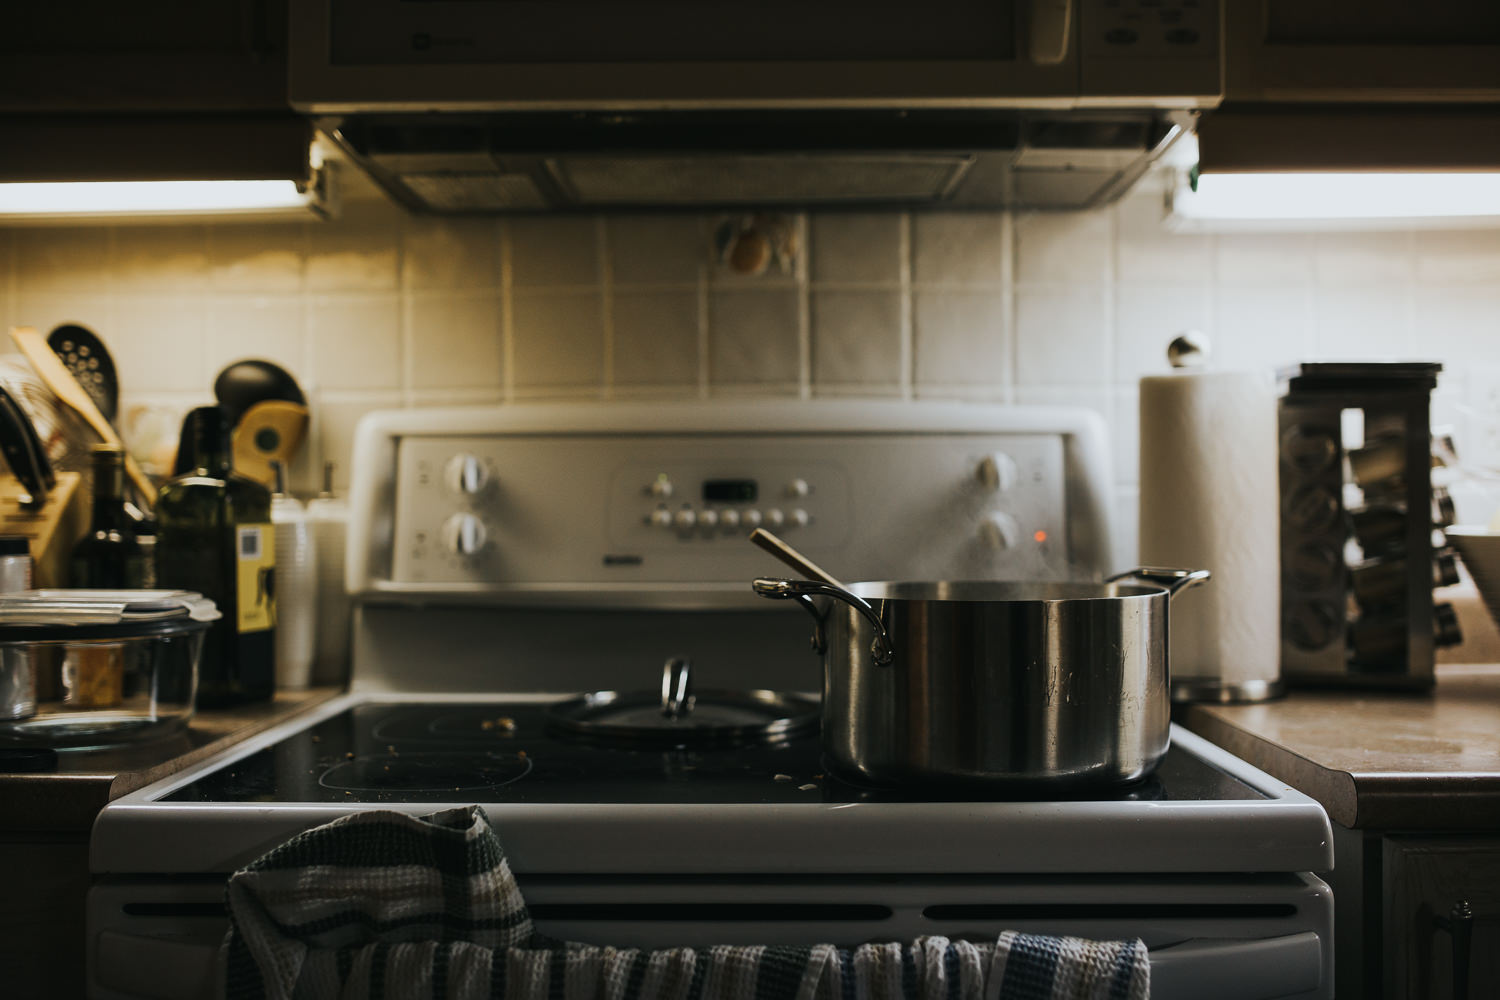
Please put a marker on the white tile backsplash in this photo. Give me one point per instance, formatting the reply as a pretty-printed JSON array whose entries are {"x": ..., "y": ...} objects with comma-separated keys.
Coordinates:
[
  {"x": 455, "y": 342},
  {"x": 356, "y": 341},
  {"x": 857, "y": 248},
  {"x": 753, "y": 337},
  {"x": 1063, "y": 247},
  {"x": 952, "y": 248},
  {"x": 558, "y": 342},
  {"x": 857, "y": 339},
  {"x": 257, "y": 257},
  {"x": 657, "y": 249},
  {"x": 381, "y": 308},
  {"x": 656, "y": 340},
  {"x": 961, "y": 338},
  {"x": 554, "y": 251},
  {"x": 1060, "y": 333}
]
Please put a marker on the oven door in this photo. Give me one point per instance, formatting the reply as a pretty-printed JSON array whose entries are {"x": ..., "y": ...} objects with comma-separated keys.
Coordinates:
[
  {"x": 398, "y": 55},
  {"x": 1228, "y": 937}
]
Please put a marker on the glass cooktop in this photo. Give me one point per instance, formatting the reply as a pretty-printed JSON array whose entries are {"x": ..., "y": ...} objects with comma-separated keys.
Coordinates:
[{"x": 497, "y": 752}]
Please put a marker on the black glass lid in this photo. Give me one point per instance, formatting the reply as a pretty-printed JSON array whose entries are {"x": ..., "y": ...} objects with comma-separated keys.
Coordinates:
[{"x": 680, "y": 717}]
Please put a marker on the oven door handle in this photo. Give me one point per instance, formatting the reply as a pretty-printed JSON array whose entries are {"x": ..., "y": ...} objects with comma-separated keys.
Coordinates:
[{"x": 1239, "y": 969}]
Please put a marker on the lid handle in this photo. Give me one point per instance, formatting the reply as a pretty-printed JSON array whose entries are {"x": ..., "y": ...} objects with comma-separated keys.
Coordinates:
[{"x": 676, "y": 688}]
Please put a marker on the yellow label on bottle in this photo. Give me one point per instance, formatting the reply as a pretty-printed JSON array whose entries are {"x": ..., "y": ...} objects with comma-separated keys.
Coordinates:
[{"x": 255, "y": 558}]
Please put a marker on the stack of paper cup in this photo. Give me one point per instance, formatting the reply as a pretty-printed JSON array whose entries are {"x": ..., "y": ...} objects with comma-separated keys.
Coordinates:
[
  {"x": 296, "y": 593},
  {"x": 1209, "y": 500},
  {"x": 330, "y": 523}
]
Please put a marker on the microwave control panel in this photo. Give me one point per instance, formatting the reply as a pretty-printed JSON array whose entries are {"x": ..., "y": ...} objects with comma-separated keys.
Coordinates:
[{"x": 581, "y": 509}]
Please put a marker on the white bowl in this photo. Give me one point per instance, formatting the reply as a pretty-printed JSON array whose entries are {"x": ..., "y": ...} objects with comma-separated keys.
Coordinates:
[{"x": 1480, "y": 550}]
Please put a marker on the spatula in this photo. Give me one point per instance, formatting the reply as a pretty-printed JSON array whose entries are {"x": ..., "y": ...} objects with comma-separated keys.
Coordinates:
[
  {"x": 62, "y": 383},
  {"x": 89, "y": 360}
]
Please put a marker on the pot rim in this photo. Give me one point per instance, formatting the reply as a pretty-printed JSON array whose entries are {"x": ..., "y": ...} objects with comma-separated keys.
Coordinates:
[{"x": 1001, "y": 591}]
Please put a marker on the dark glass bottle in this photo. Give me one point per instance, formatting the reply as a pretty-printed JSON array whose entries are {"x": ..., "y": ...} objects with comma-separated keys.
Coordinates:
[
  {"x": 214, "y": 536},
  {"x": 109, "y": 556}
]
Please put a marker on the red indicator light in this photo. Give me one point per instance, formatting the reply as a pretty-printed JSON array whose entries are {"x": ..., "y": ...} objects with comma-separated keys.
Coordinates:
[{"x": 1040, "y": 536}]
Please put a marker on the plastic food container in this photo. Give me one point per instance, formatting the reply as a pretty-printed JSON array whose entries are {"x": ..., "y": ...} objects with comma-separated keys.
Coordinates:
[{"x": 85, "y": 669}]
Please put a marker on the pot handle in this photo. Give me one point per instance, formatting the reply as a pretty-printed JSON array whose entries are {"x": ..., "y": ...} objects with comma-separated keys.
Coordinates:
[
  {"x": 802, "y": 591},
  {"x": 1174, "y": 580}
]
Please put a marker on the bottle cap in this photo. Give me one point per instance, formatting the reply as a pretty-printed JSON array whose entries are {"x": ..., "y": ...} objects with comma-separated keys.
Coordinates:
[{"x": 15, "y": 545}]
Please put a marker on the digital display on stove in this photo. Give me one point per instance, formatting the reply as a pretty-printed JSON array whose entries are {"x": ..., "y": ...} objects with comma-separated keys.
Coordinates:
[
  {"x": 729, "y": 491},
  {"x": 508, "y": 753}
]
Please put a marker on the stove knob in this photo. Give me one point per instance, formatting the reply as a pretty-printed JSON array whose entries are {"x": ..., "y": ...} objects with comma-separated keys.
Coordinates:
[
  {"x": 661, "y": 518},
  {"x": 661, "y": 489},
  {"x": 997, "y": 472},
  {"x": 999, "y": 531},
  {"x": 709, "y": 519},
  {"x": 775, "y": 518},
  {"x": 685, "y": 519},
  {"x": 798, "y": 488},
  {"x": 464, "y": 535},
  {"x": 751, "y": 518},
  {"x": 729, "y": 519},
  {"x": 800, "y": 518},
  {"x": 466, "y": 474}
]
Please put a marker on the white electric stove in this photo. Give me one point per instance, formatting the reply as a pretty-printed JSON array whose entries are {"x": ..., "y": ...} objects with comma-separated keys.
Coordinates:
[{"x": 504, "y": 560}]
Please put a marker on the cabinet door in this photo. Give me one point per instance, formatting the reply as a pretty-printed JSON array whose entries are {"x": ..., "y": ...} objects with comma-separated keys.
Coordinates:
[
  {"x": 1362, "y": 50},
  {"x": 1424, "y": 878},
  {"x": 168, "y": 55}
]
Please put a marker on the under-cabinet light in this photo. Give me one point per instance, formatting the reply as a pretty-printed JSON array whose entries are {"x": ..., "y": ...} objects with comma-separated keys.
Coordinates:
[
  {"x": 145, "y": 201},
  {"x": 1290, "y": 201}
]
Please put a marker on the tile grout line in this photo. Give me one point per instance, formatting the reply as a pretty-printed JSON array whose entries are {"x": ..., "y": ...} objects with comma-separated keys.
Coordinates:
[
  {"x": 804, "y": 309},
  {"x": 908, "y": 349},
  {"x": 605, "y": 251},
  {"x": 704, "y": 372},
  {"x": 507, "y": 317}
]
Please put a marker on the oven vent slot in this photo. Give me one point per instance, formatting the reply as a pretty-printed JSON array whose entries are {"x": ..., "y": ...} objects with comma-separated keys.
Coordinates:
[
  {"x": 718, "y": 912},
  {"x": 1108, "y": 911}
]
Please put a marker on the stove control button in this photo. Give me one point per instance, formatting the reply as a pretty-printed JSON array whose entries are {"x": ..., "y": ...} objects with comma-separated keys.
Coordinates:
[
  {"x": 800, "y": 518},
  {"x": 661, "y": 518},
  {"x": 464, "y": 534},
  {"x": 751, "y": 518},
  {"x": 661, "y": 487},
  {"x": 685, "y": 519},
  {"x": 798, "y": 488},
  {"x": 466, "y": 474},
  {"x": 729, "y": 519},
  {"x": 709, "y": 519},
  {"x": 775, "y": 518},
  {"x": 997, "y": 472},
  {"x": 999, "y": 531}
]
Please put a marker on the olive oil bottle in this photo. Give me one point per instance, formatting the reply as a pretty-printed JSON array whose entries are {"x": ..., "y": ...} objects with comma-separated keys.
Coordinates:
[
  {"x": 109, "y": 556},
  {"x": 214, "y": 536}
]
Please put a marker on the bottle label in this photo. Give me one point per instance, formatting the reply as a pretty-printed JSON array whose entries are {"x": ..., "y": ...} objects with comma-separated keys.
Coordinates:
[{"x": 255, "y": 557}]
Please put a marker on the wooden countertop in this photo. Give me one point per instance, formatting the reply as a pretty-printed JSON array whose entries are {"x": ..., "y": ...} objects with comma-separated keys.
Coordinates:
[
  {"x": 1378, "y": 760},
  {"x": 68, "y": 798}
]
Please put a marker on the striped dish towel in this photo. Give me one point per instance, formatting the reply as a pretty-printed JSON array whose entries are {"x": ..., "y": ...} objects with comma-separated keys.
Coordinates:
[{"x": 382, "y": 904}]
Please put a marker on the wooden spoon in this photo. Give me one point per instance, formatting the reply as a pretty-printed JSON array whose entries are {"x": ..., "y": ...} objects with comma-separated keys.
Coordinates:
[
  {"x": 61, "y": 381},
  {"x": 799, "y": 562}
]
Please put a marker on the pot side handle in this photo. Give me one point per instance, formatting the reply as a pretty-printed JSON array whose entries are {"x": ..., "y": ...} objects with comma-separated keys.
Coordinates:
[
  {"x": 1174, "y": 580},
  {"x": 802, "y": 591}
]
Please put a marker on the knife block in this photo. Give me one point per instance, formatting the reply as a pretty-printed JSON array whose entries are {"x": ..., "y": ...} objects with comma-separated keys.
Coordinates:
[{"x": 53, "y": 527}]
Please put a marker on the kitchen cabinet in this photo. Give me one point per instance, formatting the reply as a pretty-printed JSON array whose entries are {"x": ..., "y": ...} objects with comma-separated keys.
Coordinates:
[
  {"x": 45, "y": 820},
  {"x": 1368, "y": 51},
  {"x": 168, "y": 56},
  {"x": 1424, "y": 877},
  {"x": 1412, "y": 785}
]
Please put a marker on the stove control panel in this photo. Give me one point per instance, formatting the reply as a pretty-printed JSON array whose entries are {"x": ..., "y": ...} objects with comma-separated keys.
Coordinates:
[{"x": 621, "y": 509}]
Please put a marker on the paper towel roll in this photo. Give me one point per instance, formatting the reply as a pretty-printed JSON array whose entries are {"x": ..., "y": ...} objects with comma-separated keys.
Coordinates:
[{"x": 1209, "y": 500}]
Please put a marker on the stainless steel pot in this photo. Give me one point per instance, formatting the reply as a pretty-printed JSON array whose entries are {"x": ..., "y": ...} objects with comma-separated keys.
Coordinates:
[{"x": 1025, "y": 684}]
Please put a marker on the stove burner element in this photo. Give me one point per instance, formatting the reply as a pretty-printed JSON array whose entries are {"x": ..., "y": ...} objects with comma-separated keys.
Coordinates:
[
  {"x": 425, "y": 772},
  {"x": 480, "y": 725}
]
